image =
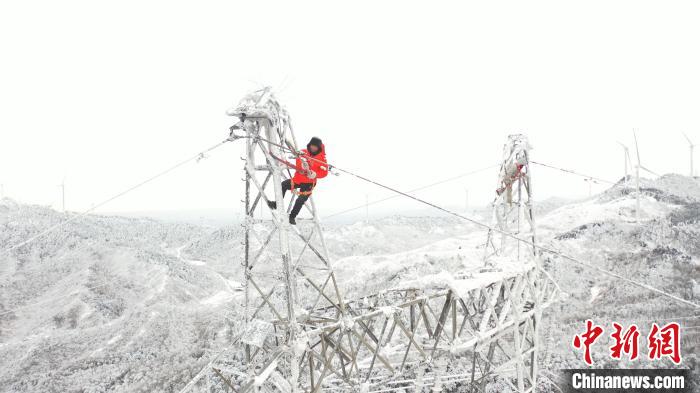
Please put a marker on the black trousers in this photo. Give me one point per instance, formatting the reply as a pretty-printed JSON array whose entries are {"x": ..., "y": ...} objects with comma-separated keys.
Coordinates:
[{"x": 301, "y": 199}]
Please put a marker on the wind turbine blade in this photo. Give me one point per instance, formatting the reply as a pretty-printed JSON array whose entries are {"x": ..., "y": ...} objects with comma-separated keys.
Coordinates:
[
  {"x": 636, "y": 146},
  {"x": 627, "y": 152},
  {"x": 649, "y": 170},
  {"x": 688, "y": 139}
]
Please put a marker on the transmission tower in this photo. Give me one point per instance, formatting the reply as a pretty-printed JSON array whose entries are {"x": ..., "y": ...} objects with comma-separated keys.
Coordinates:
[
  {"x": 300, "y": 335},
  {"x": 278, "y": 255},
  {"x": 512, "y": 205}
]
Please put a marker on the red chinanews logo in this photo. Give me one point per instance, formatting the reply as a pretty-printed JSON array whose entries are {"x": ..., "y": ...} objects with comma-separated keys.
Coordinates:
[{"x": 662, "y": 341}]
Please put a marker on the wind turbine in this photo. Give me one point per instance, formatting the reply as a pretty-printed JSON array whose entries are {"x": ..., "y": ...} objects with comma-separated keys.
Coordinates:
[
  {"x": 590, "y": 182},
  {"x": 367, "y": 208},
  {"x": 691, "y": 154},
  {"x": 627, "y": 160},
  {"x": 466, "y": 200},
  {"x": 63, "y": 194},
  {"x": 637, "y": 168}
]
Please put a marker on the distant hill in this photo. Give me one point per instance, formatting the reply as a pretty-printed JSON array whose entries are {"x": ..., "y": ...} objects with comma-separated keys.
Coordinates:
[{"x": 112, "y": 303}]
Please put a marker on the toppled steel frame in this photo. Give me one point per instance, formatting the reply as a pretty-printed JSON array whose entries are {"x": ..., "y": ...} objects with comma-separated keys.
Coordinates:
[{"x": 300, "y": 334}]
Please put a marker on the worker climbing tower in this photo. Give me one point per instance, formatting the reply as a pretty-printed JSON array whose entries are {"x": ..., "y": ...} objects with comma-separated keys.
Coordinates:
[
  {"x": 512, "y": 207},
  {"x": 299, "y": 334}
]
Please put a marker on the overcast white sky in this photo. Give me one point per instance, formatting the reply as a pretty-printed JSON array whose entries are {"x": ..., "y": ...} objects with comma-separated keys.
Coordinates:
[{"x": 108, "y": 93}]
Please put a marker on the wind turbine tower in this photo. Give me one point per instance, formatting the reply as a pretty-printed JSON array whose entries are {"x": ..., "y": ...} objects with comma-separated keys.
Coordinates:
[
  {"x": 637, "y": 168},
  {"x": 692, "y": 146},
  {"x": 63, "y": 194},
  {"x": 627, "y": 160}
]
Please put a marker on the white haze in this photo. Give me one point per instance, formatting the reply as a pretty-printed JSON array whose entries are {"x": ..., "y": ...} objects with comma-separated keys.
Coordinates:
[{"x": 106, "y": 94}]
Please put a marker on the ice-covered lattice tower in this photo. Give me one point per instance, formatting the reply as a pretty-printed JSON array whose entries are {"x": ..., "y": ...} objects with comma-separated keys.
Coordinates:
[
  {"x": 512, "y": 207},
  {"x": 289, "y": 282},
  {"x": 300, "y": 335}
]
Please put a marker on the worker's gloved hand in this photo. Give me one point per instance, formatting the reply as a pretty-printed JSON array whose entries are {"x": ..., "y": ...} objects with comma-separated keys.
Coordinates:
[
  {"x": 311, "y": 174},
  {"x": 305, "y": 165}
]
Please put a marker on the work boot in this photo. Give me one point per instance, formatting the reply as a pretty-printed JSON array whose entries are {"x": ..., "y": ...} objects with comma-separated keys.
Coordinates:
[
  {"x": 292, "y": 220},
  {"x": 272, "y": 205}
]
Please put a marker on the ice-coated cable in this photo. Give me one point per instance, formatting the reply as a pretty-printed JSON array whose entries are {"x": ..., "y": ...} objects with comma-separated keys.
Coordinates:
[
  {"x": 573, "y": 172},
  {"x": 453, "y": 178},
  {"x": 112, "y": 198},
  {"x": 481, "y": 224}
]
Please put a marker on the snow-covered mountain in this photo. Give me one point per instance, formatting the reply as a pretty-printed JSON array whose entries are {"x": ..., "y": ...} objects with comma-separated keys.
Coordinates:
[
  {"x": 663, "y": 251},
  {"x": 126, "y": 304},
  {"x": 105, "y": 303}
]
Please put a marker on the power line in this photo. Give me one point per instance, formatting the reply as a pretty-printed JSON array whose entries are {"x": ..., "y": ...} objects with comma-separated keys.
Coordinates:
[
  {"x": 413, "y": 190},
  {"x": 75, "y": 217},
  {"x": 110, "y": 199},
  {"x": 402, "y": 193},
  {"x": 542, "y": 248},
  {"x": 548, "y": 250},
  {"x": 197, "y": 157},
  {"x": 573, "y": 172}
]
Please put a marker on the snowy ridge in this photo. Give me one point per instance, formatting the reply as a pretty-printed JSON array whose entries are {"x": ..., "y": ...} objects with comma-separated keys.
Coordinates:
[
  {"x": 662, "y": 251},
  {"x": 105, "y": 295},
  {"x": 126, "y": 304}
]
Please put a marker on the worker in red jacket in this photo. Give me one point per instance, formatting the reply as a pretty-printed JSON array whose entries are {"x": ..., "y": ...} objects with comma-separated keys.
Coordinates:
[{"x": 310, "y": 166}]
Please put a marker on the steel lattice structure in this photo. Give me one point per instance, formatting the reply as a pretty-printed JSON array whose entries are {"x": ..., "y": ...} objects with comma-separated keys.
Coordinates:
[
  {"x": 512, "y": 205},
  {"x": 300, "y": 334}
]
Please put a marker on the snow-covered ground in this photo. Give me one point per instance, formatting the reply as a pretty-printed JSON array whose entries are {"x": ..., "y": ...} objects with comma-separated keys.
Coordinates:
[{"x": 128, "y": 304}]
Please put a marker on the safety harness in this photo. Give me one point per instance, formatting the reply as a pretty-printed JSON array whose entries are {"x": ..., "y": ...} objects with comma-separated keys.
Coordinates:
[
  {"x": 299, "y": 192},
  {"x": 295, "y": 192}
]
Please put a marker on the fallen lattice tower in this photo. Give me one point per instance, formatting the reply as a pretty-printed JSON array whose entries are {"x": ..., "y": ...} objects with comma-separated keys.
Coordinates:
[{"x": 300, "y": 334}]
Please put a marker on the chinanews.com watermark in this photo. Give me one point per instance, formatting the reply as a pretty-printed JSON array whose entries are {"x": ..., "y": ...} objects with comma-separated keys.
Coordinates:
[
  {"x": 627, "y": 380},
  {"x": 662, "y": 344}
]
